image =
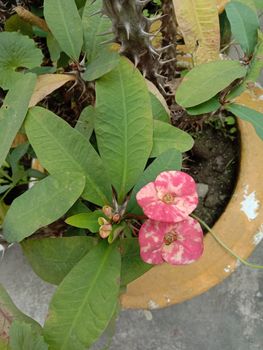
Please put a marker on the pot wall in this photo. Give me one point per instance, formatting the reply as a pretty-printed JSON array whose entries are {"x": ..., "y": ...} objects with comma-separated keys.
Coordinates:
[{"x": 240, "y": 227}]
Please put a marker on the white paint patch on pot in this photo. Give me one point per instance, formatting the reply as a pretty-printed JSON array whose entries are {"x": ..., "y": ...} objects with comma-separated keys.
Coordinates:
[
  {"x": 228, "y": 269},
  {"x": 250, "y": 204},
  {"x": 148, "y": 315},
  {"x": 153, "y": 305},
  {"x": 258, "y": 236}
]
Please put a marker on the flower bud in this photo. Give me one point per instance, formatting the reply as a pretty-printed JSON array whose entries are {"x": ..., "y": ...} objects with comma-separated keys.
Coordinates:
[
  {"x": 108, "y": 211},
  {"x": 116, "y": 218},
  {"x": 102, "y": 221},
  {"x": 105, "y": 230}
]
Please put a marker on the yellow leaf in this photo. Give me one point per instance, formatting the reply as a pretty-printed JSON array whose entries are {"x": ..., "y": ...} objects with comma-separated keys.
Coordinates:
[
  {"x": 155, "y": 28},
  {"x": 46, "y": 84},
  {"x": 251, "y": 98},
  {"x": 20, "y": 139},
  {"x": 199, "y": 24}
]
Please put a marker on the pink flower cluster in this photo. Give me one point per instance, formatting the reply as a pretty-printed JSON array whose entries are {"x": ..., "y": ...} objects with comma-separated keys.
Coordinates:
[{"x": 170, "y": 234}]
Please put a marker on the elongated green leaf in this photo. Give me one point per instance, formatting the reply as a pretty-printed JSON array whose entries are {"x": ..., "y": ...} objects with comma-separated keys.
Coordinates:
[
  {"x": 23, "y": 337},
  {"x": 9, "y": 313},
  {"x": 59, "y": 147},
  {"x": 17, "y": 51},
  {"x": 248, "y": 114},
  {"x": 124, "y": 125},
  {"x": 169, "y": 160},
  {"x": 132, "y": 266},
  {"x": 85, "y": 301},
  {"x": 86, "y": 220},
  {"x": 53, "y": 258},
  {"x": 44, "y": 203},
  {"x": 158, "y": 110},
  {"x": 93, "y": 26},
  {"x": 205, "y": 107},
  {"x": 206, "y": 80},
  {"x": 13, "y": 112},
  {"x": 105, "y": 61},
  {"x": 65, "y": 24},
  {"x": 244, "y": 25},
  {"x": 85, "y": 124},
  {"x": 166, "y": 136}
]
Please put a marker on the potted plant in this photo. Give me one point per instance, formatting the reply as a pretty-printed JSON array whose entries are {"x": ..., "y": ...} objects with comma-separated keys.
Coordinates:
[{"x": 114, "y": 174}]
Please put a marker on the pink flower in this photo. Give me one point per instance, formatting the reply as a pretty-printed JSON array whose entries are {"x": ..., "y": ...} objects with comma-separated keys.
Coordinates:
[
  {"x": 170, "y": 198},
  {"x": 176, "y": 243}
]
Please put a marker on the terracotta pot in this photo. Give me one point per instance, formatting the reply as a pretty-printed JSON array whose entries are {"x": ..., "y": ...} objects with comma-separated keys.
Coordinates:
[{"x": 240, "y": 227}]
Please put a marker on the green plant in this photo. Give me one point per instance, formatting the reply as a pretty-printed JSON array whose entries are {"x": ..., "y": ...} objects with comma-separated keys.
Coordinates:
[{"x": 123, "y": 139}]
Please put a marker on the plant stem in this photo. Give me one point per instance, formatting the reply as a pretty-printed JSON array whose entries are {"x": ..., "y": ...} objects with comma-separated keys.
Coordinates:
[{"x": 245, "y": 262}]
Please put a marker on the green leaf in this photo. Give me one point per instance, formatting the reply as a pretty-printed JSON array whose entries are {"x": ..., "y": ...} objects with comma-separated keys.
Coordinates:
[
  {"x": 85, "y": 301},
  {"x": 9, "y": 313},
  {"x": 86, "y": 220},
  {"x": 258, "y": 4},
  {"x": 16, "y": 24},
  {"x": 166, "y": 136},
  {"x": 64, "y": 21},
  {"x": 60, "y": 147},
  {"x": 105, "y": 61},
  {"x": 13, "y": 111},
  {"x": 132, "y": 266},
  {"x": 93, "y": 25},
  {"x": 169, "y": 160},
  {"x": 44, "y": 203},
  {"x": 53, "y": 48},
  {"x": 248, "y": 114},
  {"x": 206, "y": 80},
  {"x": 158, "y": 110},
  {"x": 254, "y": 71},
  {"x": 23, "y": 337},
  {"x": 53, "y": 258},
  {"x": 85, "y": 124},
  {"x": 205, "y": 107},
  {"x": 16, "y": 52},
  {"x": 244, "y": 25},
  {"x": 123, "y": 125}
]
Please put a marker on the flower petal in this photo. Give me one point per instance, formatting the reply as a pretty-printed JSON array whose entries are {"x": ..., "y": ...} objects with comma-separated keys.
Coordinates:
[
  {"x": 189, "y": 245},
  {"x": 160, "y": 211},
  {"x": 151, "y": 239},
  {"x": 146, "y": 195},
  {"x": 176, "y": 182}
]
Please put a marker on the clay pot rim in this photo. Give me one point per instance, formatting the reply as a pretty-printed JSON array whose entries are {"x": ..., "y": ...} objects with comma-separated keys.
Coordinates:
[{"x": 240, "y": 227}]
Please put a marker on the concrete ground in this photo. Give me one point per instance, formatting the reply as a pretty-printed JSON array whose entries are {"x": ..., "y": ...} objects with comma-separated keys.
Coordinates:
[{"x": 228, "y": 317}]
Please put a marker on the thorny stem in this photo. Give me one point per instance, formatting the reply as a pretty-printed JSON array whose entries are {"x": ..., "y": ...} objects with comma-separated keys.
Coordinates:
[{"x": 245, "y": 262}]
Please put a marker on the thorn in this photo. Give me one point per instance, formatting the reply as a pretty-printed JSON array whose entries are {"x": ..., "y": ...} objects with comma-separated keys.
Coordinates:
[
  {"x": 136, "y": 60},
  {"x": 153, "y": 51},
  {"x": 82, "y": 62},
  {"x": 128, "y": 29},
  {"x": 155, "y": 19},
  {"x": 161, "y": 49},
  {"x": 146, "y": 34},
  {"x": 110, "y": 41},
  {"x": 99, "y": 12},
  {"x": 105, "y": 33},
  {"x": 167, "y": 61},
  {"x": 119, "y": 6},
  {"x": 142, "y": 3},
  {"x": 160, "y": 76}
]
